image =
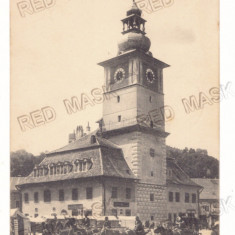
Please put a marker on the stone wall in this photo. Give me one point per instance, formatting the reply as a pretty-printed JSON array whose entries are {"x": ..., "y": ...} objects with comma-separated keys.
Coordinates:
[
  {"x": 136, "y": 148},
  {"x": 151, "y": 210}
]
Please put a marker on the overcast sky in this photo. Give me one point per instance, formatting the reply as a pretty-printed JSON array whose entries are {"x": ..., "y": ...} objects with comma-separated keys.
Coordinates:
[{"x": 54, "y": 56}]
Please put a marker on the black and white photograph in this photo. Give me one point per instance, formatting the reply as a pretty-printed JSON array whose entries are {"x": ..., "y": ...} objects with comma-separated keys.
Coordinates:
[{"x": 115, "y": 117}]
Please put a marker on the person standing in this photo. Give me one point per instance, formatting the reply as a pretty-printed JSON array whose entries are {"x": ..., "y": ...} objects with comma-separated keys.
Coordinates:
[
  {"x": 86, "y": 221},
  {"x": 139, "y": 229}
]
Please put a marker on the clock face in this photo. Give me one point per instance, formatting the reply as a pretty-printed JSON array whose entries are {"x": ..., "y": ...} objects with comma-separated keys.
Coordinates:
[
  {"x": 150, "y": 75},
  {"x": 119, "y": 75}
]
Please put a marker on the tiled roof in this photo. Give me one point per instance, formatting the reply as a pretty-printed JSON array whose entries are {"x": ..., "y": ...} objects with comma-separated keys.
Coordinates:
[
  {"x": 107, "y": 160},
  {"x": 85, "y": 142},
  {"x": 210, "y": 188},
  {"x": 178, "y": 176}
]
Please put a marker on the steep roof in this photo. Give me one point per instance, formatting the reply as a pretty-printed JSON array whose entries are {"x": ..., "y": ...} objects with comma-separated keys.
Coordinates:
[
  {"x": 85, "y": 142},
  {"x": 178, "y": 176},
  {"x": 106, "y": 160},
  {"x": 210, "y": 188}
]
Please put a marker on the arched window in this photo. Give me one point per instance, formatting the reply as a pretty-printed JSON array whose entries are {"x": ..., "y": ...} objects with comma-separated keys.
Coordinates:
[
  {"x": 45, "y": 170},
  {"x": 84, "y": 166},
  {"x": 41, "y": 171},
  {"x": 80, "y": 166}
]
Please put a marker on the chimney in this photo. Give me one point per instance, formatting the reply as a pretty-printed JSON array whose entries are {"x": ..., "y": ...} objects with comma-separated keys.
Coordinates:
[
  {"x": 79, "y": 132},
  {"x": 72, "y": 137}
]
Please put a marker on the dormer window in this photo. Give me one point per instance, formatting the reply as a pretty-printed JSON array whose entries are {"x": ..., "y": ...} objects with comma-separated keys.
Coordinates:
[
  {"x": 45, "y": 168},
  {"x": 84, "y": 166},
  {"x": 80, "y": 166},
  {"x": 41, "y": 171}
]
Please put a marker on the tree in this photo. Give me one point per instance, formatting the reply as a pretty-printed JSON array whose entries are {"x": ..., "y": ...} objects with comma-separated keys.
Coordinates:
[
  {"x": 195, "y": 164},
  {"x": 22, "y": 162}
]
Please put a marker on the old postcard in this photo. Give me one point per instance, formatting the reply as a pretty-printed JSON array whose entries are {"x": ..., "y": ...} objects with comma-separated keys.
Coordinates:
[{"x": 115, "y": 117}]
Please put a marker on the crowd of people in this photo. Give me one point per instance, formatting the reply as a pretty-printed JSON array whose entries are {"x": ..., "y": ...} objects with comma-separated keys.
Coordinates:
[{"x": 182, "y": 226}]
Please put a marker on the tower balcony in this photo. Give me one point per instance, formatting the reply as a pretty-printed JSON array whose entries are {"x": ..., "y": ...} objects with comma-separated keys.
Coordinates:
[{"x": 133, "y": 122}]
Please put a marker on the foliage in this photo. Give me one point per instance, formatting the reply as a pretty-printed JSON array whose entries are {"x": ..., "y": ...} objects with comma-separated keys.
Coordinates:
[
  {"x": 22, "y": 162},
  {"x": 196, "y": 163}
]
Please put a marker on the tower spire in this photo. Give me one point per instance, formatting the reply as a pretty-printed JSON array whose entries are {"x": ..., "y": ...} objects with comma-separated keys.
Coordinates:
[{"x": 134, "y": 22}]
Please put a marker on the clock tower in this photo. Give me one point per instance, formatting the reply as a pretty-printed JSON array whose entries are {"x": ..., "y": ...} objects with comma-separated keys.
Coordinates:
[{"x": 132, "y": 115}]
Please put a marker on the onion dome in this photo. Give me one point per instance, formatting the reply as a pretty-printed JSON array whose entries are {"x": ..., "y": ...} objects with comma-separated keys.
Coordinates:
[
  {"x": 133, "y": 40},
  {"x": 134, "y": 32}
]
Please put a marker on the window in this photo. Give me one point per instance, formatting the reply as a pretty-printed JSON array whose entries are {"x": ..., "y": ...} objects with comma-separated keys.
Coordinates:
[
  {"x": 152, "y": 152},
  {"x": 114, "y": 192},
  {"x": 35, "y": 215},
  {"x": 89, "y": 212},
  {"x": 170, "y": 196},
  {"x": 186, "y": 197},
  {"x": 194, "y": 198},
  {"x": 119, "y": 118},
  {"x": 17, "y": 204},
  {"x": 177, "y": 197},
  {"x": 118, "y": 99},
  {"x": 128, "y": 212},
  {"x": 74, "y": 194},
  {"x": 36, "y": 197},
  {"x": 150, "y": 99},
  {"x": 128, "y": 193},
  {"x": 61, "y": 195},
  {"x": 26, "y": 198},
  {"x": 151, "y": 197},
  {"x": 47, "y": 196},
  {"x": 121, "y": 211},
  {"x": 83, "y": 166},
  {"x": 175, "y": 215},
  {"x": 169, "y": 217},
  {"x": 89, "y": 193},
  {"x": 151, "y": 173},
  {"x": 152, "y": 217}
]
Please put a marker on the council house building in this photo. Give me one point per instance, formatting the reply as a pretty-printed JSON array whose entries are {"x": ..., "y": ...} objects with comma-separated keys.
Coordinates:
[{"x": 120, "y": 168}]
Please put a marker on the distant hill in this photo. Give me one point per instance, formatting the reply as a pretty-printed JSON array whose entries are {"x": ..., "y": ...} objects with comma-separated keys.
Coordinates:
[{"x": 196, "y": 163}]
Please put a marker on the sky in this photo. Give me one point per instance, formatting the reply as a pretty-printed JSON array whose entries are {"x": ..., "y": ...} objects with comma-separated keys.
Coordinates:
[{"x": 54, "y": 56}]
